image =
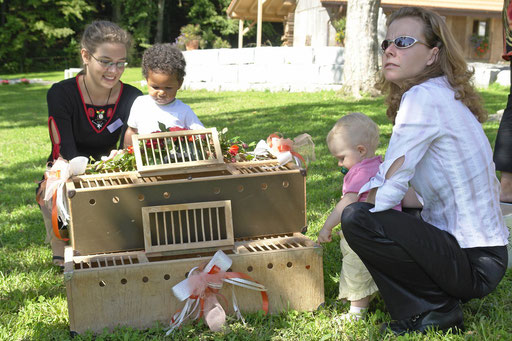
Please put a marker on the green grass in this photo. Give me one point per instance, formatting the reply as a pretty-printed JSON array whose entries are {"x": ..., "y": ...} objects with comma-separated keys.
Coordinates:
[{"x": 32, "y": 294}]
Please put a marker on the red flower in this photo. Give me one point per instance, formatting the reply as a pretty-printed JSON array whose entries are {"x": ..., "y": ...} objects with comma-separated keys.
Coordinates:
[
  {"x": 233, "y": 150},
  {"x": 5, "y": 81},
  {"x": 130, "y": 149},
  {"x": 180, "y": 129},
  {"x": 24, "y": 81},
  {"x": 153, "y": 143},
  {"x": 176, "y": 129}
]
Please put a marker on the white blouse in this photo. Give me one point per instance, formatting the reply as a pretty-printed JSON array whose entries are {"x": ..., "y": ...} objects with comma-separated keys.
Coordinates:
[{"x": 448, "y": 161}]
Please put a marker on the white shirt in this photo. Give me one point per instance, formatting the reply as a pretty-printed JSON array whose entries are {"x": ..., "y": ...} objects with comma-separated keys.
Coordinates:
[
  {"x": 146, "y": 113},
  {"x": 448, "y": 161}
]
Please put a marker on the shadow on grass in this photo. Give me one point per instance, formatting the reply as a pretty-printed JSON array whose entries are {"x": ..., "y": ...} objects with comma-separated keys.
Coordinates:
[
  {"x": 15, "y": 298},
  {"x": 25, "y": 230},
  {"x": 23, "y": 106},
  {"x": 196, "y": 330},
  {"x": 319, "y": 117},
  {"x": 55, "y": 331},
  {"x": 19, "y": 182},
  {"x": 23, "y": 224},
  {"x": 201, "y": 97}
]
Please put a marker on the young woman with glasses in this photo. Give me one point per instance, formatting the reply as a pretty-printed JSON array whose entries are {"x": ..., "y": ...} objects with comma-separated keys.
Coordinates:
[
  {"x": 88, "y": 113},
  {"x": 426, "y": 267}
]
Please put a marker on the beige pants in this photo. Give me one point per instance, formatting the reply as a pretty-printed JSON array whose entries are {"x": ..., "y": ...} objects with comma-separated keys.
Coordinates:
[
  {"x": 56, "y": 244},
  {"x": 355, "y": 280}
]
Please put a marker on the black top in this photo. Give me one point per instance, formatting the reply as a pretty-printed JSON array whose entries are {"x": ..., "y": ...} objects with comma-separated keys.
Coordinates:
[{"x": 85, "y": 130}]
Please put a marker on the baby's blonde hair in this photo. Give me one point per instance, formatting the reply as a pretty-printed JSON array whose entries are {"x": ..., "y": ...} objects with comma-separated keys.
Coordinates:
[{"x": 357, "y": 129}]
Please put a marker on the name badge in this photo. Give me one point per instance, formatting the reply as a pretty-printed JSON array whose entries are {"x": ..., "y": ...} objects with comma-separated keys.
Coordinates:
[{"x": 115, "y": 125}]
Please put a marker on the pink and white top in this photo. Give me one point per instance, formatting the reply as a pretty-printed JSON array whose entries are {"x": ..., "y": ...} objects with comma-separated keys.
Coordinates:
[
  {"x": 448, "y": 161},
  {"x": 360, "y": 174}
]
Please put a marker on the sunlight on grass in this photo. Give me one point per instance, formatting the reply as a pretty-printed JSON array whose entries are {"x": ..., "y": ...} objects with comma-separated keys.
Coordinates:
[{"x": 32, "y": 294}]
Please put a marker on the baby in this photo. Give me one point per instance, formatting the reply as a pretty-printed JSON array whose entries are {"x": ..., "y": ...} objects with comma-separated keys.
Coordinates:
[{"x": 353, "y": 141}]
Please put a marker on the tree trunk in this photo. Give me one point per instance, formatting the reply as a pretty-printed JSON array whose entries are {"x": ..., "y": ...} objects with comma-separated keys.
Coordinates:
[
  {"x": 361, "y": 48},
  {"x": 116, "y": 11},
  {"x": 160, "y": 22},
  {"x": 3, "y": 12}
]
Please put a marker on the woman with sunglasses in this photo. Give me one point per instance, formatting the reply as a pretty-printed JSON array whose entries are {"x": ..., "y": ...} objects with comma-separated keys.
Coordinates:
[
  {"x": 425, "y": 267},
  {"x": 88, "y": 113}
]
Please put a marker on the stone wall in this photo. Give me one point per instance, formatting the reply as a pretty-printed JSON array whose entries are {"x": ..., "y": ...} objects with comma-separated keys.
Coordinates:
[
  {"x": 265, "y": 68},
  {"x": 486, "y": 74},
  {"x": 289, "y": 69}
]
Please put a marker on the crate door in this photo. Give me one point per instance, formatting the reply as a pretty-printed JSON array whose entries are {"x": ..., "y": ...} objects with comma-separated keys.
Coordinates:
[
  {"x": 170, "y": 150},
  {"x": 188, "y": 226}
]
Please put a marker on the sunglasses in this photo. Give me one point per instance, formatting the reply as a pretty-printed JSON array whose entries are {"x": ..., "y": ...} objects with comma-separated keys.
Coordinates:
[
  {"x": 403, "y": 42},
  {"x": 108, "y": 64}
]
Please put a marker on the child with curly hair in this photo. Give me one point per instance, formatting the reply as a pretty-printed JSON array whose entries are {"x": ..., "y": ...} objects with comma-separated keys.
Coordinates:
[{"x": 163, "y": 66}]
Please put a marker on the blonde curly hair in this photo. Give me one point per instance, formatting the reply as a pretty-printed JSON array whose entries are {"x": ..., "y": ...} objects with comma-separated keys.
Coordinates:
[{"x": 449, "y": 62}]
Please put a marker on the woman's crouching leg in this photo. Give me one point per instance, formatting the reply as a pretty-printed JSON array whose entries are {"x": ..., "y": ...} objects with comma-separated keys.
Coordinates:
[{"x": 405, "y": 286}]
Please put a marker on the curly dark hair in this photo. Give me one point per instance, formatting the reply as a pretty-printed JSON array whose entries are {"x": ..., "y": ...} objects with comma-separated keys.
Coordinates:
[{"x": 164, "y": 58}]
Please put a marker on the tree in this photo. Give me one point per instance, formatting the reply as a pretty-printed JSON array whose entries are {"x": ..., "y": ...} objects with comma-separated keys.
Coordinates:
[
  {"x": 39, "y": 32},
  {"x": 213, "y": 19},
  {"x": 361, "y": 47},
  {"x": 139, "y": 18},
  {"x": 160, "y": 22}
]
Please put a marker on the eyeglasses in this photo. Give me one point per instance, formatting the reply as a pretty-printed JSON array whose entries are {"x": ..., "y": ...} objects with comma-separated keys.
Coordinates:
[
  {"x": 108, "y": 64},
  {"x": 403, "y": 42}
]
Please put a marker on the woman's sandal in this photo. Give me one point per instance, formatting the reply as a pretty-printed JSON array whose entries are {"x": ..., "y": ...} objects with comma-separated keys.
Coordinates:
[{"x": 58, "y": 261}]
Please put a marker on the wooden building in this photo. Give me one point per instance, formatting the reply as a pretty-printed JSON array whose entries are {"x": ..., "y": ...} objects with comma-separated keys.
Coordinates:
[
  {"x": 310, "y": 22},
  {"x": 473, "y": 22}
]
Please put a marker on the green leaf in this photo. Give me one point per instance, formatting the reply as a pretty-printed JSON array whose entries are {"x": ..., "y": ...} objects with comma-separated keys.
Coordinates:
[{"x": 162, "y": 126}]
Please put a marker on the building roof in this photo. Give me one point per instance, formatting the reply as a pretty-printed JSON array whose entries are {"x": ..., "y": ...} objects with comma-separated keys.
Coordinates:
[
  {"x": 454, "y": 6},
  {"x": 273, "y": 10}
]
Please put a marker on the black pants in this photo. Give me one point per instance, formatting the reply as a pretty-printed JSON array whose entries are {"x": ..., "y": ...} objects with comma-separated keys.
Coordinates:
[
  {"x": 416, "y": 266},
  {"x": 503, "y": 145}
]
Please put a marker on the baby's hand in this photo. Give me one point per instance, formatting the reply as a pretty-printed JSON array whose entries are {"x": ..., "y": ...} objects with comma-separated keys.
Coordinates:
[{"x": 325, "y": 235}]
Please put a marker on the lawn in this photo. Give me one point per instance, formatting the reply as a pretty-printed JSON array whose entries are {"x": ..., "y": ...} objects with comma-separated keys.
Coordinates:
[{"x": 32, "y": 294}]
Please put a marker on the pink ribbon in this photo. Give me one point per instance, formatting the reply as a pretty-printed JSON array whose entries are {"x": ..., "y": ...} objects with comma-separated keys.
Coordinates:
[
  {"x": 201, "y": 289},
  {"x": 278, "y": 144}
]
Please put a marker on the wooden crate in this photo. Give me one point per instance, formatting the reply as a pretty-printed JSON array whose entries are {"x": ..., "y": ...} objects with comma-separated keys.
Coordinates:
[
  {"x": 134, "y": 289},
  {"x": 106, "y": 209}
]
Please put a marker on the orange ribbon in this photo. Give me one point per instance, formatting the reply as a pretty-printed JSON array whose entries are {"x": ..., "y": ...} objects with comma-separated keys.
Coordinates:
[
  {"x": 55, "y": 218},
  {"x": 279, "y": 144},
  {"x": 205, "y": 287}
]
